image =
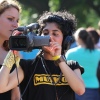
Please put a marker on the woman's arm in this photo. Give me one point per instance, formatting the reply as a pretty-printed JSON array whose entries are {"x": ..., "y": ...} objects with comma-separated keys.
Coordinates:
[
  {"x": 9, "y": 80},
  {"x": 73, "y": 78},
  {"x": 15, "y": 94}
]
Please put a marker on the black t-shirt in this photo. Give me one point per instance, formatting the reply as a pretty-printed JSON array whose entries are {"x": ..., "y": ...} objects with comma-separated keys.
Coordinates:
[
  {"x": 6, "y": 95},
  {"x": 40, "y": 79}
]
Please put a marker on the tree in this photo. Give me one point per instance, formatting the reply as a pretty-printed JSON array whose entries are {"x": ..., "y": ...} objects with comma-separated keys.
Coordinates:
[{"x": 86, "y": 11}]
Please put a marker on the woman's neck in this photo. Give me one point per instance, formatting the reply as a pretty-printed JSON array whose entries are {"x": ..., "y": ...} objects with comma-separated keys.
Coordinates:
[
  {"x": 82, "y": 45},
  {"x": 3, "y": 54}
]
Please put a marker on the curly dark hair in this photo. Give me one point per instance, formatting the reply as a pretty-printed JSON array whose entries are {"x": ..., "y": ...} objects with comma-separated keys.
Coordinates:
[{"x": 66, "y": 22}]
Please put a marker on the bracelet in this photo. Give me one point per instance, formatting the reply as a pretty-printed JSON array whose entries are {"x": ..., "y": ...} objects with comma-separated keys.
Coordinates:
[
  {"x": 56, "y": 57},
  {"x": 61, "y": 59}
]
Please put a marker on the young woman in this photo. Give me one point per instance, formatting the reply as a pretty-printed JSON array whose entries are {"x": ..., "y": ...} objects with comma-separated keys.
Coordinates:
[
  {"x": 9, "y": 17},
  {"x": 88, "y": 56},
  {"x": 49, "y": 76}
]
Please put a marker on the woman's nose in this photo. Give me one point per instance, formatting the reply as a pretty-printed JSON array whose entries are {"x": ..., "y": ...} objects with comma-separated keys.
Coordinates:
[
  {"x": 51, "y": 38},
  {"x": 50, "y": 34},
  {"x": 15, "y": 24}
]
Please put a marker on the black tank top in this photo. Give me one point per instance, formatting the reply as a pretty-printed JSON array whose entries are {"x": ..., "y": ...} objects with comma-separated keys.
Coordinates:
[{"x": 6, "y": 95}]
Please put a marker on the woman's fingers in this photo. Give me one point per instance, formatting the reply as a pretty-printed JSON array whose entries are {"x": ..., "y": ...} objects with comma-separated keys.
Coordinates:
[{"x": 16, "y": 33}]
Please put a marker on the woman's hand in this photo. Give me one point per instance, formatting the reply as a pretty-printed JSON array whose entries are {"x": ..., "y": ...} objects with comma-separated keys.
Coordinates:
[
  {"x": 54, "y": 49},
  {"x": 16, "y": 33}
]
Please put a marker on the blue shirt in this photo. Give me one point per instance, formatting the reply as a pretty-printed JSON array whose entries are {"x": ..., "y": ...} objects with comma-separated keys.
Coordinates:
[
  {"x": 89, "y": 61},
  {"x": 73, "y": 45},
  {"x": 29, "y": 55}
]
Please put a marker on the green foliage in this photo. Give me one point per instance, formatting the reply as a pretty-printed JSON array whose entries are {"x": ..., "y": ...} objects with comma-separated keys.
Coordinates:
[
  {"x": 28, "y": 15},
  {"x": 87, "y": 12},
  {"x": 54, "y": 5},
  {"x": 92, "y": 19}
]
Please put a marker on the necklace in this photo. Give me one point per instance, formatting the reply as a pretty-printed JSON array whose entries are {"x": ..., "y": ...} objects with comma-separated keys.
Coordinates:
[
  {"x": 46, "y": 68},
  {"x": 53, "y": 82}
]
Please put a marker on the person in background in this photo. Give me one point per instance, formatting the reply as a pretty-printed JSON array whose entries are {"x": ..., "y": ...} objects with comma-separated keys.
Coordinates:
[
  {"x": 49, "y": 76},
  {"x": 73, "y": 44},
  {"x": 98, "y": 70},
  {"x": 98, "y": 75},
  {"x": 98, "y": 30},
  {"x": 96, "y": 39},
  {"x": 94, "y": 34},
  {"x": 88, "y": 57},
  {"x": 9, "y": 17}
]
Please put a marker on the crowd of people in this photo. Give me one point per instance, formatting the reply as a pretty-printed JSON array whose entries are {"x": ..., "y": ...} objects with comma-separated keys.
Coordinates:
[{"x": 69, "y": 68}]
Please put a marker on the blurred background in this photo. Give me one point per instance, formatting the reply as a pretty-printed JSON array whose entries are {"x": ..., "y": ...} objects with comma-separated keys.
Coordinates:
[{"x": 87, "y": 12}]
